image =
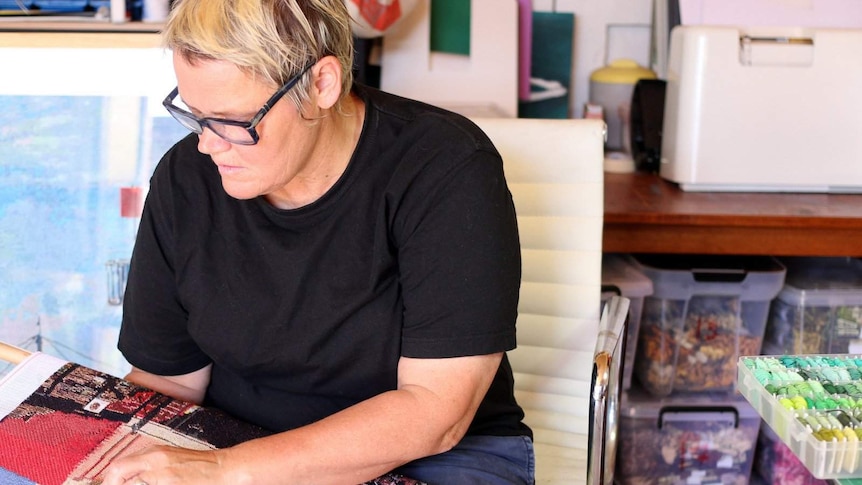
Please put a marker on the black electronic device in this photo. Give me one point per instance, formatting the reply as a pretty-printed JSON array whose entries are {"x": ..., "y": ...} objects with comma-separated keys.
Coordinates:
[{"x": 646, "y": 118}]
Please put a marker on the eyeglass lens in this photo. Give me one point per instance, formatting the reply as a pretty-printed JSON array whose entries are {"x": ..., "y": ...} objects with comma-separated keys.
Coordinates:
[{"x": 233, "y": 132}]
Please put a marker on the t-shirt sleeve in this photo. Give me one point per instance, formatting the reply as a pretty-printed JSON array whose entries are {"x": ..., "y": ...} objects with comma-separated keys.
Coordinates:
[
  {"x": 153, "y": 334},
  {"x": 459, "y": 259}
]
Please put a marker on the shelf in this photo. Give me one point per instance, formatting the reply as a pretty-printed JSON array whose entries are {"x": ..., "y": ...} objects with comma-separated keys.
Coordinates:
[
  {"x": 37, "y": 24},
  {"x": 647, "y": 214},
  {"x": 82, "y": 34}
]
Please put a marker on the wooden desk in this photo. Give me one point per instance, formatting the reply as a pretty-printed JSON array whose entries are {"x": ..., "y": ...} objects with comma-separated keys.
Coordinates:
[{"x": 647, "y": 214}]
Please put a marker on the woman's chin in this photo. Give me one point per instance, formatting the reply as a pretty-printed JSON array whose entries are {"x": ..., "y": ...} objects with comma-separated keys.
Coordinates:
[{"x": 238, "y": 191}]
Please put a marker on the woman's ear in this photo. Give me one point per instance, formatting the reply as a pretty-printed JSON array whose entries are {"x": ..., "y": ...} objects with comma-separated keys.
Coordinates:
[{"x": 327, "y": 81}]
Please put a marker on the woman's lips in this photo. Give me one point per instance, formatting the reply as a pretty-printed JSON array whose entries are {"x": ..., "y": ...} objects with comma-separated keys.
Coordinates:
[{"x": 228, "y": 169}]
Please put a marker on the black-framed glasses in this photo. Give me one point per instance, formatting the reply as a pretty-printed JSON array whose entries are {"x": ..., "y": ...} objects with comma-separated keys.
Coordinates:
[{"x": 237, "y": 132}]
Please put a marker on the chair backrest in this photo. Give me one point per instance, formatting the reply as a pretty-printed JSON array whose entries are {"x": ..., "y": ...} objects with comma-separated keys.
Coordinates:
[{"x": 555, "y": 172}]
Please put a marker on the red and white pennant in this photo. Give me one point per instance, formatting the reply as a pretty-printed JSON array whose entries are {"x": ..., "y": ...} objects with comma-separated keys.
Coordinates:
[{"x": 380, "y": 14}]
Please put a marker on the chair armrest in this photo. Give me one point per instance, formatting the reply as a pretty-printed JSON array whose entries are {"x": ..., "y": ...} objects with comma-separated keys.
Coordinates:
[{"x": 605, "y": 391}]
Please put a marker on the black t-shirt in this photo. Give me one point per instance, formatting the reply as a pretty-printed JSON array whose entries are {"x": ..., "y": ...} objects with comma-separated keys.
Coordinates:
[{"x": 413, "y": 252}]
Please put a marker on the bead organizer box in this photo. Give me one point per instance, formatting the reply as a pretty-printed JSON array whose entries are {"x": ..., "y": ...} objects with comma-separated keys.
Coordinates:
[{"x": 814, "y": 405}]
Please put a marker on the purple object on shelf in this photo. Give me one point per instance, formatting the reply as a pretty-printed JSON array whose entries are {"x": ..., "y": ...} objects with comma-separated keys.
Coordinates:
[{"x": 525, "y": 40}]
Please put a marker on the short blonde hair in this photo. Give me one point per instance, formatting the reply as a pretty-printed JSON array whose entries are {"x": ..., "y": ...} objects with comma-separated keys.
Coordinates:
[{"x": 271, "y": 39}]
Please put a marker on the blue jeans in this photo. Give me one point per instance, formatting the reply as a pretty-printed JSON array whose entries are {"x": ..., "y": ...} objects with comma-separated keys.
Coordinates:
[{"x": 478, "y": 460}]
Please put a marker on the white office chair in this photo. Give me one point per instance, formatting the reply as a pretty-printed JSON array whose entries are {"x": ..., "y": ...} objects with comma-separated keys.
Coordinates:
[{"x": 567, "y": 363}]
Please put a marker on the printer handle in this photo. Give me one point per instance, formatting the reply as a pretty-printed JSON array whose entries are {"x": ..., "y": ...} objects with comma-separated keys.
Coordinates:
[{"x": 776, "y": 51}]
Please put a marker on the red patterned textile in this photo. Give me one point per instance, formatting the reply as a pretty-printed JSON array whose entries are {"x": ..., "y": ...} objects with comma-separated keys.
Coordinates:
[
  {"x": 78, "y": 420},
  {"x": 71, "y": 440}
]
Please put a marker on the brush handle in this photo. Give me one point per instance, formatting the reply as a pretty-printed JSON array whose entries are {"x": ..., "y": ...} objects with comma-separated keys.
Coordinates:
[{"x": 10, "y": 353}]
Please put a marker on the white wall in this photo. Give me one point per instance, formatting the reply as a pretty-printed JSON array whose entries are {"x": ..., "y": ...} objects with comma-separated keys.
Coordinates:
[{"x": 604, "y": 30}]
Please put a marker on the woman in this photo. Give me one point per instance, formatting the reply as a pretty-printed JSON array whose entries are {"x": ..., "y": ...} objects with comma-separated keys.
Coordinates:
[{"x": 330, "y": 262}]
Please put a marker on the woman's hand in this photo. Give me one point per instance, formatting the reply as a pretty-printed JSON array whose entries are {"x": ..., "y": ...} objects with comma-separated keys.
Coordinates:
[{"x": 167, "y": 465}]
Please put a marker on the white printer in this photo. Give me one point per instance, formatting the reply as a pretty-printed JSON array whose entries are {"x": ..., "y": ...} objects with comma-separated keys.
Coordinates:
[{"x": 773, "y": 109}]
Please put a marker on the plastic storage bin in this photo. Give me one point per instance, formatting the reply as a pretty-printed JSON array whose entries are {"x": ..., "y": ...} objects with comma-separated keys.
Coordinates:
[
  {"x": 819, "y": 310},
  {"x": 812, "y": 403},
  {"x": 756, "y": 479},
  {"x": 775, "y": 463},
  {"x": 682, "y": 440},
  {"x": 705, "y": 312},
  {"x": 619, "y": 271}
]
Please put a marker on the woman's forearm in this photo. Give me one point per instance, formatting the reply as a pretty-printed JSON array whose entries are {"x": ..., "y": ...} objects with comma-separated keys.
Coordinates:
[
  {"x": 373, "y": 437},
  {"x": 188, "y": 387}
]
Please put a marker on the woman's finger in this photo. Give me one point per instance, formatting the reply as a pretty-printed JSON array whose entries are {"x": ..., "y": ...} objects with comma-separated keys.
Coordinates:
[{"x": 126, "y": 471}]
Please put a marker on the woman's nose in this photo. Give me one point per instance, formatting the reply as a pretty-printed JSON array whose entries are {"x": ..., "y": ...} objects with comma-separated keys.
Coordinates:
[{"x": 210, "y": 143}]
